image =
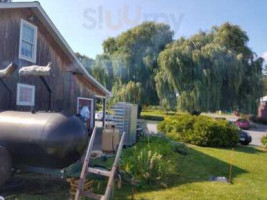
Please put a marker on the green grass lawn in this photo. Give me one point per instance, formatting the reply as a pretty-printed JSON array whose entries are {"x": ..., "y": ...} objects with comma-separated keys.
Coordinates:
[
  {"x": 157, "y": 115},
  {"x": 191, "y": 182},
  {"x": 249, "y": 176}
]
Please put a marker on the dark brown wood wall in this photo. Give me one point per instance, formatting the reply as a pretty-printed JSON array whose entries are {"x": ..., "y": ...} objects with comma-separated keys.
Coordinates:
[{"x": 66, "y": 86}]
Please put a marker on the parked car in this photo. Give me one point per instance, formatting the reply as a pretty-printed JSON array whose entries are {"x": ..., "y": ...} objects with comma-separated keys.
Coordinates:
[
  {"x": 244, "y": 137},
  {"x": 99, "y": 116},
  {"x": 242, "y": 123}
]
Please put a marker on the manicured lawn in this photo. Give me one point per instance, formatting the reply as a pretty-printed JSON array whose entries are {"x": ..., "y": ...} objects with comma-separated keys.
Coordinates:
[
  {"x": 192, "y": 179},
  {"x": 249, "y": 176},
  {"x": 156, "y": 115}
]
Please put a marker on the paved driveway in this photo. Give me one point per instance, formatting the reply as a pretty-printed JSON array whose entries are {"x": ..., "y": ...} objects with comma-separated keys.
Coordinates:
[{"x": 256, "y": 130}]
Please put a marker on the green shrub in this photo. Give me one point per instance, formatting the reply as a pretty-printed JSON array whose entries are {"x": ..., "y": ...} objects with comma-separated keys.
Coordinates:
[
  {"x": 148, "y": 161},
  {"x": 200, "y": 130},
  {"x": 264, "y": 141}
]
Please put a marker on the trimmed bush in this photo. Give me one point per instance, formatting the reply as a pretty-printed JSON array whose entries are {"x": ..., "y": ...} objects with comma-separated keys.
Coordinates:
[
  {"x": 264, "y": 141},
  {"x": 200, "y": 130}
]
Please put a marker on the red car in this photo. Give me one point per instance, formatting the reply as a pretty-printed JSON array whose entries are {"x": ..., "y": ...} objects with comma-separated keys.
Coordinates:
[{"x": 242, "y": 123}]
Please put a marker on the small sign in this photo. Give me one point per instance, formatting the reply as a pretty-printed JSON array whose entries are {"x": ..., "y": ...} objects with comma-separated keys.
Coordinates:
[{"x": 219, "y": 179}]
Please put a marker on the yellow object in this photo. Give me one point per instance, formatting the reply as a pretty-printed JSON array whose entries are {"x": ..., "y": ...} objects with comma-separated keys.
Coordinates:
[
  {"x": 88, "y": 185},
  {"x": 231, "y": 166},
  {"x": 110, "y": 138}
]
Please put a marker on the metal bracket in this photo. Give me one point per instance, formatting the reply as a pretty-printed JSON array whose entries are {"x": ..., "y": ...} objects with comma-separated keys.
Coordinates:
[
  {"x": 49, "y": 91},
  {"x": 9, "y": 91}
]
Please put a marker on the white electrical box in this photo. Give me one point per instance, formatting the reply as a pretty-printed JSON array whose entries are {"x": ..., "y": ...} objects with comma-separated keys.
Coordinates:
[{"x": 125, "y": 118}]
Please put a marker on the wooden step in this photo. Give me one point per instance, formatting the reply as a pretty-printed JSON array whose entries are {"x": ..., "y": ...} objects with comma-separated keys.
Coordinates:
[
  {"x": 91, "y": 195},
  {"x": 86, "y": 170},
  {"x": 99, "y": 172}
]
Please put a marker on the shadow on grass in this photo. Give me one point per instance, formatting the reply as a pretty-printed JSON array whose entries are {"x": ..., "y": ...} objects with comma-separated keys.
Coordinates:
[
  {"x": 194, "y": 167},
  {"x": 152, "y": 118},
  {"x": 198, "y": 167},
  {"x": 35, "y": 187},
  {"x": 251, "y": 149}
]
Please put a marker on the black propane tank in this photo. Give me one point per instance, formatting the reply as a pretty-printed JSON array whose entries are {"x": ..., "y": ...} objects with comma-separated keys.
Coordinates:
[
  {"x": 51, "y": 140},
  {"x": 5, "y": 166}
]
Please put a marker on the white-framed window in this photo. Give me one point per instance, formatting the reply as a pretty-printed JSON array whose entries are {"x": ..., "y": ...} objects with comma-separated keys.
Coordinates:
[
  {"x": 28, "y": 41},
  {"x": 25, "y": 95}
]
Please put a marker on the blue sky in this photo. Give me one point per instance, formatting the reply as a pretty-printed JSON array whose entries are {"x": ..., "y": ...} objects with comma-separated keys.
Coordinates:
[{"x": 85, "y": 24}]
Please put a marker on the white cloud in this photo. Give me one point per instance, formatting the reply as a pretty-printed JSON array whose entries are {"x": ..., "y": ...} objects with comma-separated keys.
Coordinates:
[{"x": 264, "y": 55}]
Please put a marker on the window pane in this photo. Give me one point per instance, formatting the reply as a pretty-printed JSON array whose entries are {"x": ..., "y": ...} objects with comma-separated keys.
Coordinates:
[
  {"x": 27, "y": 49},
  {"x": 28, "y": 43},
  {"x": 21, "y": 98},
  {"x": 28, "y": 34},
  {"x": 26, "y": 95}
]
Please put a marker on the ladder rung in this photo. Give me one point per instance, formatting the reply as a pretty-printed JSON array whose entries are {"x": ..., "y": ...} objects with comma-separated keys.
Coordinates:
[
  {"x": 91, "y": 195},
  {"x": 99, "y": 172}
]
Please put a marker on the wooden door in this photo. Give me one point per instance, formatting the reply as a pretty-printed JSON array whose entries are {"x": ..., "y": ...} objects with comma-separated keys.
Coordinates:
[{"x": 81, "y": 102}]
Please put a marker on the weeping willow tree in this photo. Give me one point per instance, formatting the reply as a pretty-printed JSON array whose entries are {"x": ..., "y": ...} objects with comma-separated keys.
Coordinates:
[
  {"x": 100, "y": 74},
  {"x": 130, "y": 92},
  {"x": 86, "y": 61},
  {"x": 134, "y": 55},
  {"x": 213, "y": 70},
  {"x": 165, "y": 91}
]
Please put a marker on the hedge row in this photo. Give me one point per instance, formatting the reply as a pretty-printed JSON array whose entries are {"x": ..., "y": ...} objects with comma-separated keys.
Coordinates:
[{"x": 200, "y": 130}]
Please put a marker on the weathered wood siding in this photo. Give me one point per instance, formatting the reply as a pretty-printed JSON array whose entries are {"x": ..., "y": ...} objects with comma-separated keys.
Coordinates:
[{"x": 66, "y": 86}]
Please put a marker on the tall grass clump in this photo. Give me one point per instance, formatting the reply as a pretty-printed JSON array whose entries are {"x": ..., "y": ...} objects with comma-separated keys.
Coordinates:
[{"x": 149, "y": 161}]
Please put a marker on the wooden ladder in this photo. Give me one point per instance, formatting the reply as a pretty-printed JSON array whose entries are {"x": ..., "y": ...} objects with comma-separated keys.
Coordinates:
[{"x": 86, "y": 170}]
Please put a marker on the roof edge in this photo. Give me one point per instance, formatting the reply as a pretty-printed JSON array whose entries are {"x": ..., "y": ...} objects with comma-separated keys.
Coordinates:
[{"x": 37, "y": 5}]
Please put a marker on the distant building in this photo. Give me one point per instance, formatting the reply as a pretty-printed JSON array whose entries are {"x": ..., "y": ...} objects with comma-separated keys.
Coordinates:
[{"x": 262, "y": 111}]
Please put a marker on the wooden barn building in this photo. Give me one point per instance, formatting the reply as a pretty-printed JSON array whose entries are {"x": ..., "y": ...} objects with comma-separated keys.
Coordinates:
[{"x": 38, "y": 69}]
